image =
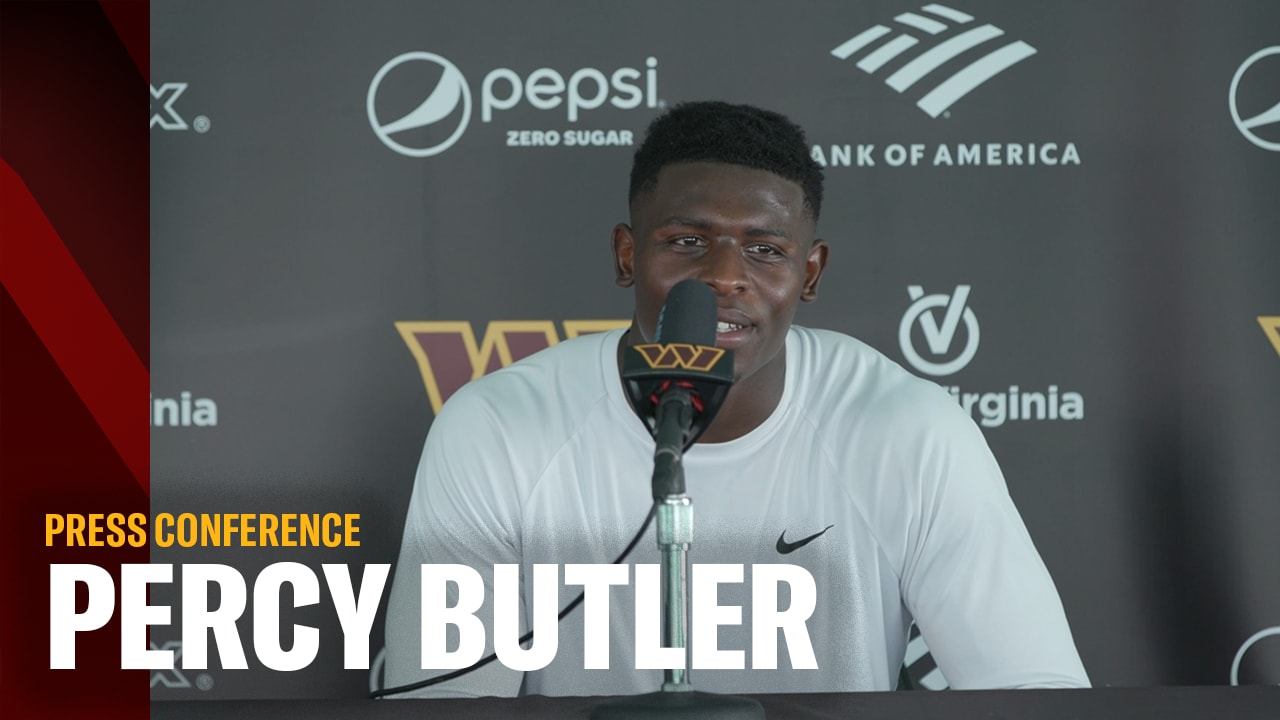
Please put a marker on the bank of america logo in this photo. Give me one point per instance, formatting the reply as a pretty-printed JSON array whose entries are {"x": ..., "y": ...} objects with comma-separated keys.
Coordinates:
[{"x": 936, "y": 37}]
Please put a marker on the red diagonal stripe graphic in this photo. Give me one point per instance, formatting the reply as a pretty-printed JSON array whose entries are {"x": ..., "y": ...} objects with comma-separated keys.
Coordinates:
[
  {"x": 132, "y": 22},
  {"x": 63, "y": 309}
]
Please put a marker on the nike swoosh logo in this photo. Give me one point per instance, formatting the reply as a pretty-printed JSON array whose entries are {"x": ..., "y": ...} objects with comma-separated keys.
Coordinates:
[{"x": 785, "y": 547}]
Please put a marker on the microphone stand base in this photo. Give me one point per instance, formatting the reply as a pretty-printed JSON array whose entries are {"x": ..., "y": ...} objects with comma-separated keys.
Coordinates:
[{"x": 688, "y": 705}]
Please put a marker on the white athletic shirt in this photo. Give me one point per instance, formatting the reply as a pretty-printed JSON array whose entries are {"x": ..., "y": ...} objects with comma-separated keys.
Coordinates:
[{"x": 545, "y": 462}]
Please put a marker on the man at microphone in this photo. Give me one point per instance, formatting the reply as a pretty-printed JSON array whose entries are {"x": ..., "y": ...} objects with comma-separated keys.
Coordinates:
[{"x": 824, "y": 454}]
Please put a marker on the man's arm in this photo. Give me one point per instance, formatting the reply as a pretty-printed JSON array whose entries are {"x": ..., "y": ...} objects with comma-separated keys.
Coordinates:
[
  {"x": 464, "y": 511},
  {"x": 975, "y": 583}
]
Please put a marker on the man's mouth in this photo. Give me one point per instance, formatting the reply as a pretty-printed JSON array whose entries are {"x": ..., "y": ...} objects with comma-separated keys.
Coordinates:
[
  {"x": 734, "y": 328},
  {"x": 727, "y": 327}
]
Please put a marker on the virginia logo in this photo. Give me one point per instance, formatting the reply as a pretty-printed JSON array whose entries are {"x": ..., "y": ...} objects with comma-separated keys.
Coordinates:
[
  {"x": 449, "y": 356},
  {"x": 680, "y": 355},
  {"x": 989, "y": 409},
  {"x": 933, "y": 43},
  {"x": 1271, "y": 326},
  {"x": 938, "y": 337}
]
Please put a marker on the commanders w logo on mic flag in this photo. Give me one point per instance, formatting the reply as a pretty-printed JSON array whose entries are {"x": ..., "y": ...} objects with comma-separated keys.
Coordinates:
[{"x": 680, "y": 355}]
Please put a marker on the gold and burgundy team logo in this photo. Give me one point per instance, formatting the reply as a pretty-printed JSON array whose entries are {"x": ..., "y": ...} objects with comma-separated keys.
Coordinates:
[
  {"x": 1271, "y": 326},
  {"x": 672, "y": 356},
  {"x": 449, "y": 355}
]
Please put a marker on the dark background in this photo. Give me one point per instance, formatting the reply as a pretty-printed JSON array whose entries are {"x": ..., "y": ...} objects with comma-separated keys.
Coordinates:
[{"x": 287, "y": 242}]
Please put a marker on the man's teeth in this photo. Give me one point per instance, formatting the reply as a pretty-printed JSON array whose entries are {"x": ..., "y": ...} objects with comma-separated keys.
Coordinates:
[{"x": 724, "y": 327}]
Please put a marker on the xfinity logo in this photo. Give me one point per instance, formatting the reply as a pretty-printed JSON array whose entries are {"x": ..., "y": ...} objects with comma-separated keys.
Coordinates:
[
  {"x": 163, "y": 113},
  {"x": 174, "y": 678},
  {"x": 166, "y": 117},
  {"x": 939, "y": 317},
  {"x": 938, "y": 337},
  {"x": 419, "y": 104},
  {"x": 928, "y": 42},
  {"x": 1255, "y": 104}
]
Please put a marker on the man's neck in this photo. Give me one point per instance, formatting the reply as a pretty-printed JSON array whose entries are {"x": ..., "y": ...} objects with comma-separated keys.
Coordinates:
[{"x": 750, "y": 402}]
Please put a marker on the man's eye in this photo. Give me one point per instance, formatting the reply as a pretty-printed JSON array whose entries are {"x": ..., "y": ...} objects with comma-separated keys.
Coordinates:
[
  {"x": 763, "y": 250},
  {"x": 687, "y": 241}
]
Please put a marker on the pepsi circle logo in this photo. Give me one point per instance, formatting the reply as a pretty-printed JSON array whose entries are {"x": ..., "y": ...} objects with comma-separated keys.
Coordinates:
[{"x": 448, "y": 101}]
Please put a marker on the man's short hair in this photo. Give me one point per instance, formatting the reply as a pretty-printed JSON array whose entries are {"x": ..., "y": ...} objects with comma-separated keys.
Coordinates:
[{"x": 744, "y": 135}]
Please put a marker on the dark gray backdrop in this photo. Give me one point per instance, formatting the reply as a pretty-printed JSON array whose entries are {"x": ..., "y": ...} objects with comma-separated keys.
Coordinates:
[{"x": 288, "y": 241}]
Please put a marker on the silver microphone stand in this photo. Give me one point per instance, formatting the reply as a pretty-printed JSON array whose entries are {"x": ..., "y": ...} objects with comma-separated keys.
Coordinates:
[{"x": 677, "y": 699}]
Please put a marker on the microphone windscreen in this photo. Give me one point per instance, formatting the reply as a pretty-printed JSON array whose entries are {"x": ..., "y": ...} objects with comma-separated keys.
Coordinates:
[{"x": 689, "y": 315}]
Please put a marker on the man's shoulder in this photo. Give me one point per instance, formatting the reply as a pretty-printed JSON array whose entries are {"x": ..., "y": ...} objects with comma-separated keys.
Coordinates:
[
  {"x": 558, "y": 379},
  {"x": 843, "y": 380},
  {"x": 866, "y": 408},
  {"x": 833, "y": 363}
]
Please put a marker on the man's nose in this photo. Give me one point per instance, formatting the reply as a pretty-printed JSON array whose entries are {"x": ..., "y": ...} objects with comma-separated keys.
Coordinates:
[{"x": 724, "y": 268}]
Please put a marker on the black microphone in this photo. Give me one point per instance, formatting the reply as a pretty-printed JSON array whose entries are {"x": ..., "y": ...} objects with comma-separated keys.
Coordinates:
[
  {"x": 688, "y": 315},
  {"x": 677, "y": 383}
]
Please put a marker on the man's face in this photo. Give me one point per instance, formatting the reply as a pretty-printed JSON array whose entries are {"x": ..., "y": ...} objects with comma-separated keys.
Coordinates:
[{"x": 746, "y": 234}]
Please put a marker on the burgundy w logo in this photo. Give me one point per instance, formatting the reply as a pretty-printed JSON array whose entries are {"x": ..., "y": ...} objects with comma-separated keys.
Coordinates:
[{"x": 449, "y": 355}]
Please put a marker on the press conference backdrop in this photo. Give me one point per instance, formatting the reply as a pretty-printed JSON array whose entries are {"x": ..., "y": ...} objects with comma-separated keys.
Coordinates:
[{"x": 1066, "y": 213}]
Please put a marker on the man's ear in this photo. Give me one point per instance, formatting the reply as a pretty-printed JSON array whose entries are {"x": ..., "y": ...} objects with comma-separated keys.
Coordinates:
[
  {"x": 813, "y": 267},
  {"x": 624, "y": 253}
]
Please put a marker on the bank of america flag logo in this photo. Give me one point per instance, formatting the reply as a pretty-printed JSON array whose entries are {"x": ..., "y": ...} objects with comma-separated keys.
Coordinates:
[{"x": 934, "y": 36}]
